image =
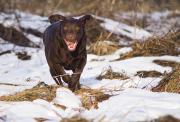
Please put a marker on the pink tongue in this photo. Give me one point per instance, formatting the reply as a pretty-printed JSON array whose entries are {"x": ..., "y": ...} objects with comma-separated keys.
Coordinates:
[{"x": 71, "y": 46}]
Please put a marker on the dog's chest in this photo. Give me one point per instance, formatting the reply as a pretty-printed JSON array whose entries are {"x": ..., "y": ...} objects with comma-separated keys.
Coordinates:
[{"x": 69, "y": 61}]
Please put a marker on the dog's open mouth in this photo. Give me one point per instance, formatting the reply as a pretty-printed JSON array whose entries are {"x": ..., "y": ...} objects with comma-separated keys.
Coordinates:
[{"x": 71, "y": 45}]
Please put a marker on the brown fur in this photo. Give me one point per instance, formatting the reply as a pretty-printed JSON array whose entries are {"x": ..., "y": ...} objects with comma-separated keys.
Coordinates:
[{"x": 56, "y": 50}]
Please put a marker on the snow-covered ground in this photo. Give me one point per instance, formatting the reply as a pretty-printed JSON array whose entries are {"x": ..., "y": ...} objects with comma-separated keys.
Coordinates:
[
  {"x": 129, "y": 103},
  {"x": 158, "y": 23},
  {"x": 124, "y": 29}
]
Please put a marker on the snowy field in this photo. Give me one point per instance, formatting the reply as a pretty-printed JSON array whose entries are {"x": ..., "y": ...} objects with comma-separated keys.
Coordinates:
[{"x": 131, "y": 99}]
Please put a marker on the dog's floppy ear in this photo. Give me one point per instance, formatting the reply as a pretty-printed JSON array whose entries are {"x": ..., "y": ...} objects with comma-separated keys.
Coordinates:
[
  {"x": 56, "y": 17},
  {"x": 85, "y": 18}
]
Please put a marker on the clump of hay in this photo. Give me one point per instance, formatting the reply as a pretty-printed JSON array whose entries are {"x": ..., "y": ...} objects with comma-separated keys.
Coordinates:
[
  {"x": 91, "y": 97},
  {"x": 40, "y": 119},
  {"x": 41, "y": 91},
  {"x": 102, "y": 48},
  {"x": 152, "y": 73},
  {"x": 23, "y": 55},
  {"x": 75, "y": 119},
  {"x": 170, "y": 83},
  {"x": 167, "y": 118},
  {"x": 167, "y": 45},
  {"x": 110, "y": 74},
  {"x": 96, "y": 33},
  {"x": 165, "y": 63}
]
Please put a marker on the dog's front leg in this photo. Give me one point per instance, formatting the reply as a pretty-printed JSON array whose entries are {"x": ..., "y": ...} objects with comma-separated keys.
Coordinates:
[
  {"x": 74, "y": 84},
  {"x": 57, "y": 71}
]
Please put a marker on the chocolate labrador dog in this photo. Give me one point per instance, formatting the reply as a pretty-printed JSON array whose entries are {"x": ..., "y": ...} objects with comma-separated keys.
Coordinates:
[{"x": 65, "y": 48}]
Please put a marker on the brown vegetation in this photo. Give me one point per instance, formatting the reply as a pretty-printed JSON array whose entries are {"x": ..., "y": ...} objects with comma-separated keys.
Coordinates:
[
  {"x": 145, "y": 74},
  {"x": 167, "y": 45},
  {"x": 165, "y": 63},
  {"x": 97, "y": 7},
  {"x": 102, "y": 48},
  {"x": 167, "y": 118},
  {"x": 110, "y": 74},
  {"x": 14, "y": 36},
  {"x": 23, "y": 55},
  {"x": 41, "y": 91},
  {"x": 40, "y": 119},
  {"x": 75, "y": 119},
  {"x": 170, "y": 83},
  {"x": 97, "y": 33},
  {"x": 91, "y": 97}
]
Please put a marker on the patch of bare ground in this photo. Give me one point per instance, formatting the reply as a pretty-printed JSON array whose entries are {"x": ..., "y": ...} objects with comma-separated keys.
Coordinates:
[
  {"x": 167, "y": 118},
  {"x": 155, "y": 46},
  {"x": 110, "y": 74},
  {"x": 40, "y": 91},
  {"x": 152, "y": 73},
  {"x": 91, "y": 97}
]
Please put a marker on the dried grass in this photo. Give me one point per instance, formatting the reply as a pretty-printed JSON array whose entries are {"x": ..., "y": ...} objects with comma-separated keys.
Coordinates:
[
  {"x": 97, "y": 33},
  {"x": 75, "y": 119},
  {"x": 40, "y": 119},
  {"x": 98, "y": 7},
  {"x": 152, "y": 73},
  {"x": 110, "y": 74},
  {"x": 91, "y": 97},
  {"x": 38, "y": 92},
  {"x": 167, "y": 118},
  {"x": 23, "y": 55},
  {"x": 165, "y": 63},
  {"x": 102, "y": 48},
  {"x": 167, "y": 45},
  {"x": 170, "y": 83}
]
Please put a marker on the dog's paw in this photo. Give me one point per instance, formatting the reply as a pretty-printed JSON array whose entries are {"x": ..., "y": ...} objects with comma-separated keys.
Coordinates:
[
  {"x": 74, "y": 87},
  {"x": 67, "y": 79}
]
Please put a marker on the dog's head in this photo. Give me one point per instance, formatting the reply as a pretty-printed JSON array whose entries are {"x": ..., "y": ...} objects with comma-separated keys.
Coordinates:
[{"x": 71, "y": 29}]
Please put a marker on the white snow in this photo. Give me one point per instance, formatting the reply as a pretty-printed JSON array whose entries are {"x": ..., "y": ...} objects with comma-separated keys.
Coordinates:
[
  {"x": 124, "y": 29},
  {"x": 157, "y": 23},
  {"x": 26, "y": 110},
  {"x": 26, "y": 20},
  {"x": 36, "y": 22},
  {"x": 133, "y": 104},
  {"x": 136, "y": 105},
  {"x": 131, "y": 99},
  {"x": 67, "y": 98}
]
